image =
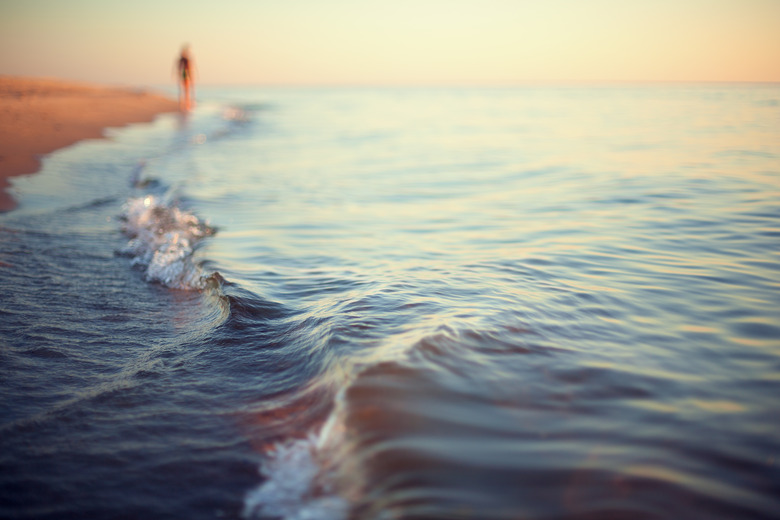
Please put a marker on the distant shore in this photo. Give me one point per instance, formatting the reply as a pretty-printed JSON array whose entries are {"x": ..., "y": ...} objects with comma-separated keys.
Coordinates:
[{"x": 40, "y": 115}]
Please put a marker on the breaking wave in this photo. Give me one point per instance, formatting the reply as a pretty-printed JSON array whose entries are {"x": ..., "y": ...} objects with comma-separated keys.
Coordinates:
[{"x": 163, "y": 238}]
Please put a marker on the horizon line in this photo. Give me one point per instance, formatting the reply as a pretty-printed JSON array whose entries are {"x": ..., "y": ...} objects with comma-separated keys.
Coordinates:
[
  {"x": 455, "y": 84},
  {"x": 410, "y": 84}
]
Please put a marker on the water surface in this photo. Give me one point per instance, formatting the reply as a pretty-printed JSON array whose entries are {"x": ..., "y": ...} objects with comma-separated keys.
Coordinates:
[{"x": 401, "y": 303}]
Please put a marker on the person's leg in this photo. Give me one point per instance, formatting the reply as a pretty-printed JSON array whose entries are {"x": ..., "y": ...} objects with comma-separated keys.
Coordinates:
[{"x": 187, "y": 86}]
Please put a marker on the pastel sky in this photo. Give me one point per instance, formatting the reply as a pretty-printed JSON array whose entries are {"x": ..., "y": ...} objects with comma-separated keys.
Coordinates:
[{"x": 461, "y": 42}]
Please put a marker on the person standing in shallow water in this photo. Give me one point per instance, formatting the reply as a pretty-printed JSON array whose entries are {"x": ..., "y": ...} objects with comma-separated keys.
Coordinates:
[{"x": 185, "y": 69}]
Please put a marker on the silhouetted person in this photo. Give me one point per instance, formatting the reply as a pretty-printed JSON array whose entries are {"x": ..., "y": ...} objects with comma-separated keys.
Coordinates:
[{"x": 185, "y": 68}]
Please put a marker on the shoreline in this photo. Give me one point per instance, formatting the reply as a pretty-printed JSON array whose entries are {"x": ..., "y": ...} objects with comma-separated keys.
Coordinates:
[{"x": 41, "y": 115}]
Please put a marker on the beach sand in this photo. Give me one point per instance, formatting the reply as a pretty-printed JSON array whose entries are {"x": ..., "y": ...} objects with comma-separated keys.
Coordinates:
[{"x": 38, "y": 116}]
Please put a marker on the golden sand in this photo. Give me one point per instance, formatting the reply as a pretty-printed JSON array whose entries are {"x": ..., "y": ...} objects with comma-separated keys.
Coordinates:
[{"x": 38, "y": 116}]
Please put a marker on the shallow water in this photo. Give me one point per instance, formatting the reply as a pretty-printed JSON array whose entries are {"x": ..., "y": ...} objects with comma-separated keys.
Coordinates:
[{"x": 401, "y": 303}]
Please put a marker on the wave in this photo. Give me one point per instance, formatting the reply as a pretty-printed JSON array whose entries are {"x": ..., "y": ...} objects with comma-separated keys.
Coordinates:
[
  {"x": 425, "y": 435},
  {"x": 294, "y": 488},
  {"x": 163, "y": 238},
  {"x": 300, "y": 476}
]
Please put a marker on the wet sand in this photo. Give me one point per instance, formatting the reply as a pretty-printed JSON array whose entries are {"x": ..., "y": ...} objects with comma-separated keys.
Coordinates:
[{"x": 40, "y": 115}]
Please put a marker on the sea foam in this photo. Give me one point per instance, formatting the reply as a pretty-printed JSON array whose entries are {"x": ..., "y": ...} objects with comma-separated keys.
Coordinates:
[
  {"x": 163, "y": 238},
  {"x": 300, "y": 477}
]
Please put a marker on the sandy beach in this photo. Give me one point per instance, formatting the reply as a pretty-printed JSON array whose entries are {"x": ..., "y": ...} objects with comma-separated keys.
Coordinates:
[{"x": 40, "y": 115}]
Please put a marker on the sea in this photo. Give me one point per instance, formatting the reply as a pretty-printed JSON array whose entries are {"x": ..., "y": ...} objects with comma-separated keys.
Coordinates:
[{"x": 359, "y": 303}]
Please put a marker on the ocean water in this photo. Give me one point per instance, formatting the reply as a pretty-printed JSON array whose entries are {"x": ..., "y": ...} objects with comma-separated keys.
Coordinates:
[{"x": 366, "y": 303}]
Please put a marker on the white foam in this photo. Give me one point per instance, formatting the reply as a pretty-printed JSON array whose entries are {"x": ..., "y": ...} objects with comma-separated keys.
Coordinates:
[
  {"x": 299, "y": 478},
  {"x": 234, "y": 114},
  {"x": 163, "y": 238}
]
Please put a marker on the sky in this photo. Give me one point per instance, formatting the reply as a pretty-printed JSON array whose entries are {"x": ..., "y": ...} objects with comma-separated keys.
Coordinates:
[{"x": 393, "y": 42}]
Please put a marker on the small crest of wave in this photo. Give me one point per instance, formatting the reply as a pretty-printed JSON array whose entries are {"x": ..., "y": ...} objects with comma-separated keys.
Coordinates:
[
  {"x": 295, "y": 486},
  {"x": 163, "y": 238}
]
